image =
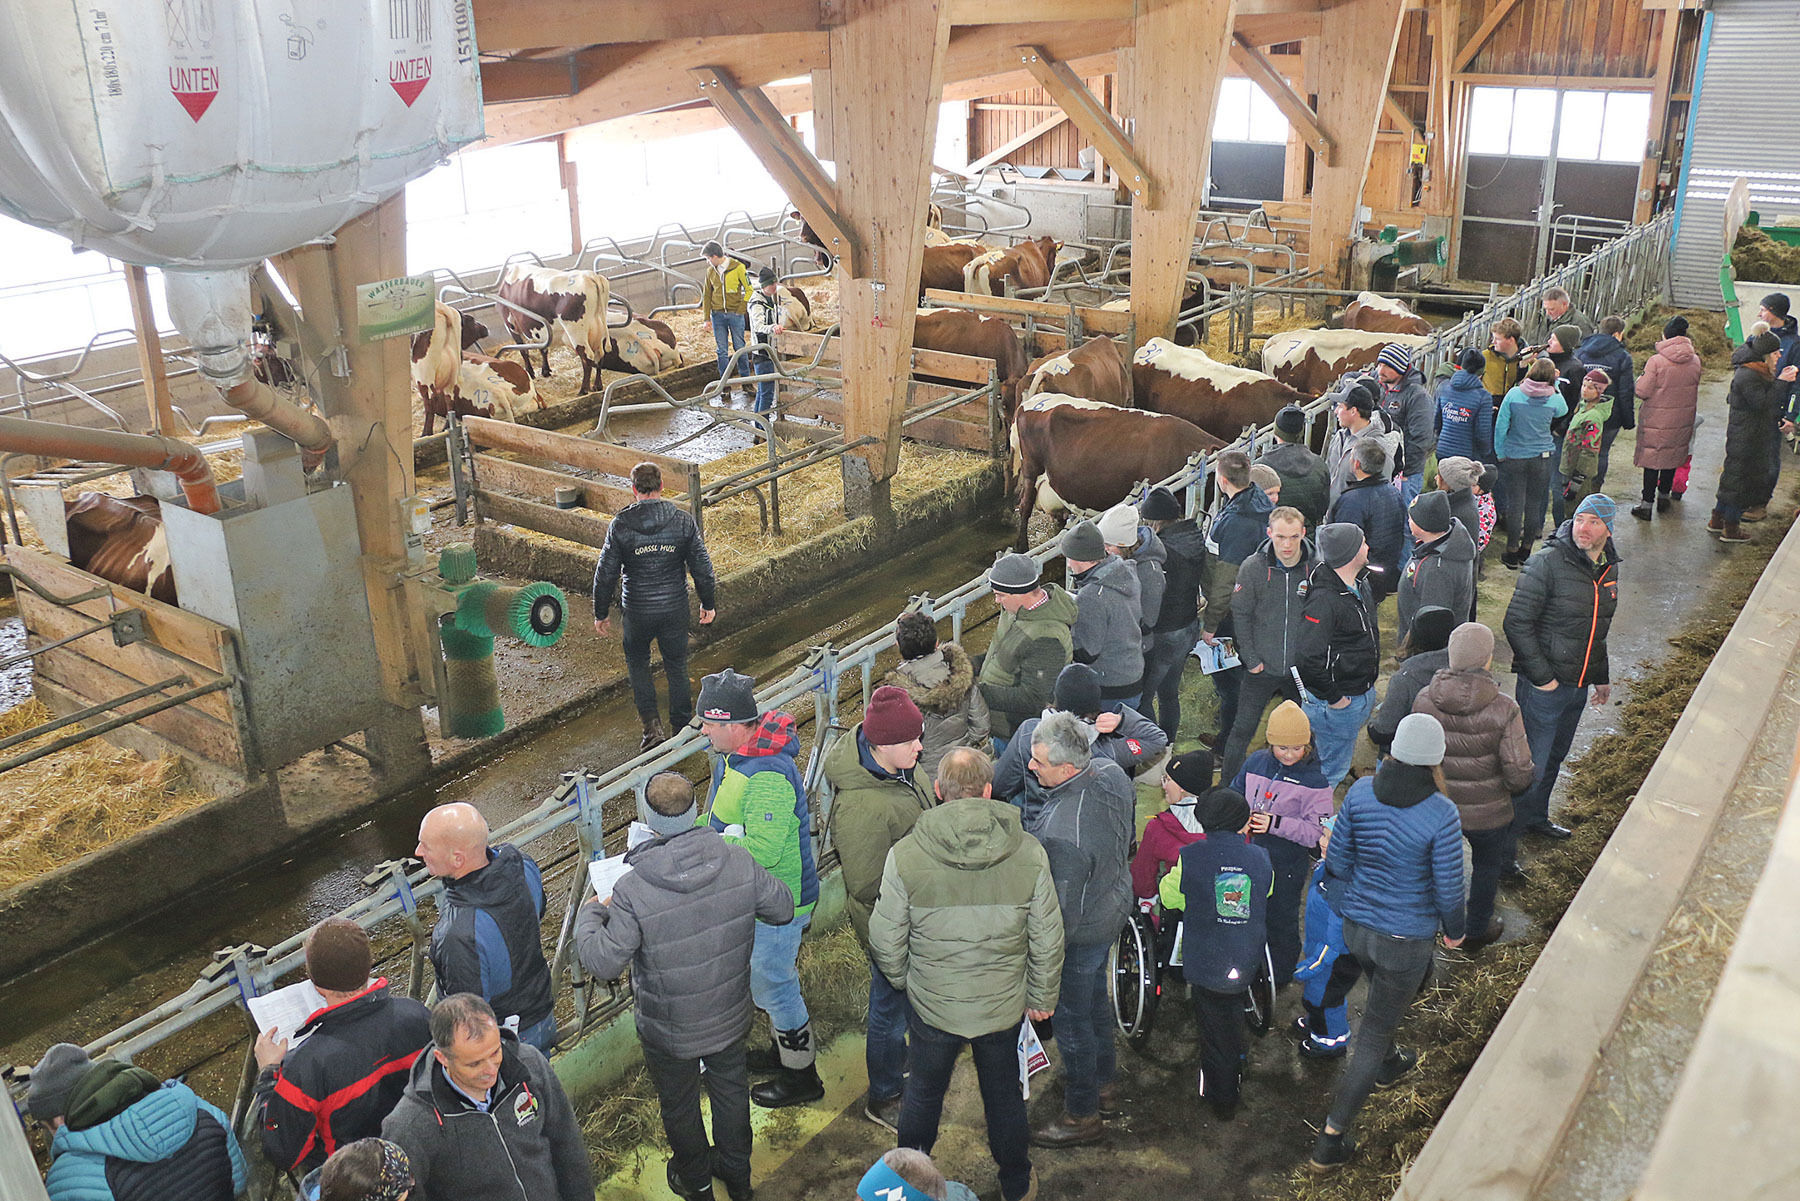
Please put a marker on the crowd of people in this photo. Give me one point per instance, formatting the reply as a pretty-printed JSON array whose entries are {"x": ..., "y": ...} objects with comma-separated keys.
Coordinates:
[{"x": 985, "y": 814}]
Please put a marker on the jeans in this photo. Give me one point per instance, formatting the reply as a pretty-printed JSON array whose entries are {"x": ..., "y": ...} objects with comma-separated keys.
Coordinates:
[
  {"x": 1293, "y": 866},
  {"x": 542, "y": 1035},
  {"x": 1550, "y": 721},
  {"x": 1163, "y": 665},
  {"x": 670, "y": 633},
  {"x": 1219, "y": 1018},
  {"x": 728, "y": 335},
  {"x": 1409, "y": 488},
  {"x": 1489, "y": 852},
  {"x": 677, "y": 1082},
  {"x": 1396, "y": 968},
  {"x": 1334, "y": 732},
  {"x": 884, "y": 1051},
  {"x": 761, "y": 364},
  {"x": 1658, "y": 481},
  {"x": 1084, "y": 1029},
  {"x": 1259, "y": 688},
  {"x": 934, "y": 1055},
  {"x": 774, "y": 978},
  {"x": 1528, "y": 495},
  {"x": 1608, "y": 434}
]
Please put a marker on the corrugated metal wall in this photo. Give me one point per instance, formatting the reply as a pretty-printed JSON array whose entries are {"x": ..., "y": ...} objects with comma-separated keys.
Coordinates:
[{"x": 1744, "y": 119}]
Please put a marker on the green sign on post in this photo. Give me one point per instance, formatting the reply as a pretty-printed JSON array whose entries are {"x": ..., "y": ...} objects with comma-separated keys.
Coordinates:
[{"x": 395, "y": 308}]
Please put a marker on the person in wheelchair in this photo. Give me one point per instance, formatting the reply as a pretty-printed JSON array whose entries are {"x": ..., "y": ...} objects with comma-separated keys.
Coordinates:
[
  {"x": 1188, "y": 777},
  {"x": 1115, "y": 731},
  {"x": 1221, "y": 883}
]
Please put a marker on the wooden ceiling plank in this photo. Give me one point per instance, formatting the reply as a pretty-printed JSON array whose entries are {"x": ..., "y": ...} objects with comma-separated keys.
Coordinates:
[
  {"x": 505, "y": 25},
  {"x": 1483, "y": 32}
]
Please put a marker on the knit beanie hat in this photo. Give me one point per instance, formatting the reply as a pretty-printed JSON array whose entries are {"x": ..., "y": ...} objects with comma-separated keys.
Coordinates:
[
  {"x": 1431, "y": 629},
  {"x": 1288, "y": 725},
  {"x": 665, "y": 824},
  {"x": 1014, "y": 573},
  {"x": 54, "y": 1078},
  {"x": 1222, "y": 811},
  {"x": 728, "y": 696},
  {"x": 1568, "y": 337},
  {"x": 1083, "y": 543},
  {"x": 1119, "y": 525},
  {"x": 1764, "y": 344},
  {"x": 1472, "y": 361},
  {"x": 1471, "y": 646},
  {"x": 890, "y": 718},
  {"x": 1458, "y": 472},
  {"x": 1264, "y": 476},
  {"x": 1677, "y": 327},
  {"x": 1192, "y": 771},
  {"x": 1777, "y": 303},
  {"x": 1077, "y": 690},
  {"x": 337, "y": 955},
  {"x": 1160, "y": 505},
  {"x": 1419, "y": 740},
  {"x": 1290, "y": 422},
  {"x": 1598, "y": 377},
  {"x": 765, "y": 277},
  {"x": 1396, "y": 356},
  {"x": 1431, "y": 512},
  {"x": 1338, "y": 543},
  {"x": 1600, "y": 505}
]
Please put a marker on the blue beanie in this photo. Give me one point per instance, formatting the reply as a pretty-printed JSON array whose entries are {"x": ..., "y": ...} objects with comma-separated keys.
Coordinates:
[
  {"x": 1601, "y": 506},
  {"x": 1396, "y": 356}
]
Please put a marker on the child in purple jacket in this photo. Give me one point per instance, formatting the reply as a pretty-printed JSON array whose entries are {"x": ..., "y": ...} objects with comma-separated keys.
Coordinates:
[{"x": 1288, "y": 798}]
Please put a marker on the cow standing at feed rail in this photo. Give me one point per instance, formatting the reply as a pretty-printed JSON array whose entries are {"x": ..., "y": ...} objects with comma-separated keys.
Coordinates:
[
  {"x": 1082, "y": 452},
  {"x": 642, "y": 346},
  {"x": 958, "y": 331},
  {"x": 1311, "y": 360},
  {"x": 1095, "y": 370},
  {"x": 572, "y": 304},
  {"x": 122, "y": 541},
  {"x": 1382, "y": 315},
  {"x": 1222, "y": 400}
]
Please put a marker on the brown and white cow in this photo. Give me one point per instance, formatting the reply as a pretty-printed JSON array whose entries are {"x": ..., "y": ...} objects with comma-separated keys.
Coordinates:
[
  {"x": 1069, "y": 451},
  {"x": 958, "y": 331},
  {"x": 942, "y": 266},
  {"x": 491, "y": 387},
  {"x": 795, "y": 308},
  {"x": 436, "y": 356},
  {"x": 571, "y": 303},
  {"x": 642, "y": 346},
  {"x": 1221, "y": 399},
  {"x": 1028, "y": 265},
  {"x": 121, "y": 541},
  {"x": 1382, "y": 315},
  {"x": 1094, "y": 370},
  {"x": 1311, "y": 360}
]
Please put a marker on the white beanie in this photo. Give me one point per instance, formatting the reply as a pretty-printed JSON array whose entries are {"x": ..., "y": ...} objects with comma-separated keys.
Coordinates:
[
  {"x": 1419, "y": 740},
  {"x": 1119, "y": 525}
]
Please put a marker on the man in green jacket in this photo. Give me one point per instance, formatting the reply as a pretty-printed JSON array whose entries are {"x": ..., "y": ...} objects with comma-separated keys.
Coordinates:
[
  {"x": 1033, "y": 642},
  {"x": 968, "y": 924},
  {"x": 725, "y": 303},
  {"x": 875, "y": 802}
]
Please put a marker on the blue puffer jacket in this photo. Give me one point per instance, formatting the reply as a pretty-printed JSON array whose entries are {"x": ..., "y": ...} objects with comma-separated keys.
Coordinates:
[
  {"x": 168, "y": 1145},
  {"x": 1396, "y": 849},
  {"x": 1465, "y": 418}
]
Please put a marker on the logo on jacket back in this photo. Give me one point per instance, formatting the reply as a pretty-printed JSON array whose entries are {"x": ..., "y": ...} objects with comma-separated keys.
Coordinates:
[
  {"x": 1231, "y": 896},
  {"x": 525, "y": 1106}
]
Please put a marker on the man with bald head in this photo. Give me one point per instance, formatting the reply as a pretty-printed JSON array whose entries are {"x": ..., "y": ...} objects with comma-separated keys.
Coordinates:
[{"x": 487, "y": 939}]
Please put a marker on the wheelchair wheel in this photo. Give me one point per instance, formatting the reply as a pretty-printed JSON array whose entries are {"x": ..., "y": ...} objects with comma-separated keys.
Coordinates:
[
  {"x": 1134, "y": 980},
  {"x": 1259, "y": 998}
]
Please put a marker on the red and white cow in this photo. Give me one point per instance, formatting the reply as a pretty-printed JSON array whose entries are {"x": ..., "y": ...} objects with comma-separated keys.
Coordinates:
[
  {"x": 1311, "y": 360},
  {"x": 1186, "y": 382},
  {"x": 1028, "y": 265},
  {"x": 643, "y": 346},
  {"x": 571, "y": 303},
  {"x": 1094, "y": 370},
  {"x": 1382, "y": 315},
  {"x": 958, "y": 331},
  {"x": 121, "y": 541},
  {"x": 491, "y": 387}
]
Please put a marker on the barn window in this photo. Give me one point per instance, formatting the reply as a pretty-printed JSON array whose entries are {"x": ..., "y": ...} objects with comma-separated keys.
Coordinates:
[
  {"x": 1246, "y": 114},
  {"x": 1604, "y": 127}
]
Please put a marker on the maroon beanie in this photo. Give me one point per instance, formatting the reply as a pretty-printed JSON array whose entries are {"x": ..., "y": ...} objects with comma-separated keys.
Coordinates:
[
  {"x": 337, "y": 955},
  {"x": 890, "y": 718}
]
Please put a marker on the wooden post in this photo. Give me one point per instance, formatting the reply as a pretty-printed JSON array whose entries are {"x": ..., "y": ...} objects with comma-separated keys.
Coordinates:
[
  {"x": 1351, "y": 60},
  {"x": 1091, "y": 117},
  {"x": 1659, "y": 110},
  {"x": 150, "y": 357},
  {"x": 884, "y": 128},
  {"x": 1176, "y": 67},
  {"x": 569, "y": 172}
]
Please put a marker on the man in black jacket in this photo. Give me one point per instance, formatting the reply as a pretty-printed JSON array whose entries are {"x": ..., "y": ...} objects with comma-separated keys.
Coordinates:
[
  {"x": 1340, "y": 648},
  {"x": 1267, "y": 606},
  {"x": 1178, "y": 621},
  {"x": 487, "y": 939},
  {"x": 338, "y": 1084},
  {"x": 655, "y": 546},
  {"x": 1556, "y": 623},
  {"x": 1370, "y": 502},
  {"x": 1305, "y": 476}
]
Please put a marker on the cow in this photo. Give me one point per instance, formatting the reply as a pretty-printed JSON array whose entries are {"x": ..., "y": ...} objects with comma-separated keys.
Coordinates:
[
  {"x": 1382, "y": 315},
  {"x": 1311, "y": 360},
  {"x": 1070, "y": 451},
  {"x": 1037, "y": 261},
  {"x": 1095, "y": 370},
  {"x": 795, "y": 308},
  {"x": 571, "y": 303},
  {"x": 1220, "y": 399},
  {"x": 942, "y": 266},
  {"x": 1028, "y": 265},
  {"x": 958, "y": 331},
  {"x": 642, "y": 346},
  {"x": 436, "y": 357},
  {"x": 122, "y": 541},
  {"x": 491, "y": 387}
]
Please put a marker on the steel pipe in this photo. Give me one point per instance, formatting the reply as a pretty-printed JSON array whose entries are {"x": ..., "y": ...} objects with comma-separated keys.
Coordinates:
[{"x": 184, "y": 460}]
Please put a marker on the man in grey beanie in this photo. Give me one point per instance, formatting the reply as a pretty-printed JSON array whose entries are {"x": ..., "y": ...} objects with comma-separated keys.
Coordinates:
[
  {"x": 1442, "y": 570},
  {"x": 1108, "y": 632},
  {"x": 1033, "y": 641}
]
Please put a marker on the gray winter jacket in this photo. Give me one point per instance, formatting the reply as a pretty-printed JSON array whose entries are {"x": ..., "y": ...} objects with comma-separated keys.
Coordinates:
[
  {"x": 1150, "y": 558},
  {"x": 942, "y": 685},
  {"x": 684, "y": 917},
  {"x": 1108, "y": 632},
  {"x": 1305, "y": 480},
  {"x": 1086, "y": 827},
  {"x": 1439, "y": 573},
  {"x": 1132, "y": 746},
  {"x": 527, "y": 1146},
  {"x": 1413, "y": 411},
  {"x": 1267, "y": 605},
  {"x": 1340, "y": 460}
]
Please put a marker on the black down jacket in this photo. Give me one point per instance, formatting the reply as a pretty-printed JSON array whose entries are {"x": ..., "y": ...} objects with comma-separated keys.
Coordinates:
[
  {"x": 655, "y": 545},
  {"x": 1557, "y": 620}
]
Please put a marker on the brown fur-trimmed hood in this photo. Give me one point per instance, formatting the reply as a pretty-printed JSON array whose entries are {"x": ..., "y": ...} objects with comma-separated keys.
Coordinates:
[{"x": 939, "y": 682}]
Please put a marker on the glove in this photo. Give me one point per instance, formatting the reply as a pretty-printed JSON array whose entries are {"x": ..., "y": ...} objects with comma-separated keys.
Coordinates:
[{"x": 1572, "y": 488}]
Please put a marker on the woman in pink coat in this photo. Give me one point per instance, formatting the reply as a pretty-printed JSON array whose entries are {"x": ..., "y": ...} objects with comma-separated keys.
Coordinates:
[{"x": 1667, "y": 392}]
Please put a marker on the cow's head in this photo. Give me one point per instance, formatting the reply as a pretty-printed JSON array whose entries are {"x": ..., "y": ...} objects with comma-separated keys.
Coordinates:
[{"x": 473, "y": 331}]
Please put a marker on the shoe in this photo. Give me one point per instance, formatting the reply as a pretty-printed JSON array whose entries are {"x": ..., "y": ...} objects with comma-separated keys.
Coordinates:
[
  {"x": 1754, "y": 513},
  {"x": 1676, "y": 495},
  {"x": 1641, "y": 511},
  {"x": 654, "y": 735},
  {"x": 1715, "y": 524},
  {"x": 1398, "y": 1063},
  {"x": 1512, "y": 873},
  {"x": 1330, "y": 1152},
  {"x": 1302, "y": 1027},
  {"x": 1112, "y": 1102},
  {"x": 1067, "y": 1131},
  {"x": 883, "y": 1113},
  {"x": 1487, "y": 938},
  {"x": 1549, "y": 829},
  {"x": 1733, "y": 532},
  {"x": 1030, "y": 1193},
  {"x": 1314, "y": 1047},
  {"x": 1510, "y": 559},
  {"x": 1662, "y": 503},
  {"x": 1224, "y": 1111},
  {"x": 763, "y": 1061},
  {"x": 681, "y": 1190},
  {"x": 1209, "y": 741},
  {"x": 790, "y": 1086}
]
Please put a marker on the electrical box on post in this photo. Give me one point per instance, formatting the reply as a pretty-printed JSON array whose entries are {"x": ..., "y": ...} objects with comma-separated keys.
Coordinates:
[{"x": 415, "y": 523}]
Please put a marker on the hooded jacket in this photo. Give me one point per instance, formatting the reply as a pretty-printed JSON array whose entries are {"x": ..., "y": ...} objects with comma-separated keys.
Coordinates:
[
  {"x": 487, "y": 939},
  {"x": 655, "y": 546},
  {"x": 1340, "y": 643},
  {"x": 335, "y": 1087},
  {"x": 1184, "y": 575},
  {"x": 1296, "y": 798},
  {"x": 1465, "y": 418},
  {"x": 1269, "y": 601},
  {"x": 1440, "y": 572},
  {"x": 1486, "y": 758},
  {"x": 1030, "y": 648},
  {"x": 684, "y": 918},
  {"x": 1136, "y": 742},
  {"x": 1581, "y": 445},
  {"x": 1225, "y": 881},
  {"x": 968, "y": 922},
  {"x": 871, "y": 810},
  {"x": 1149, "y": 558},
  {"x": 1107, "y": 633},
  {"x": 1560, "y": 612},
  {"x": 1086, "y": 827},
  {"x": 1396, "y": 849},
  {"x": 527, "y": 1146},
  {"x": 1411, "y": 409},
  {"x": 942, "y": 684},
  {"x": 1341, "y": 459},
  {"x": 1305, "y": 480},
  {"x": 1403, "y": 688},
  {"x": 1606, "y": 351},
  {"x": 1754, "y": 403},
  {"x": 1668, "y": 394},
  {"x": 1373, "y": 505},
  {"x": 1522, "y": 426},
  {"x": 1160, "y": 848},
  {"x": 757, "y": 790},
  {"x": 1466, "y": 509},
  {"x": 129, "y": 1137},
  {"x": 1240, "y": 526}
]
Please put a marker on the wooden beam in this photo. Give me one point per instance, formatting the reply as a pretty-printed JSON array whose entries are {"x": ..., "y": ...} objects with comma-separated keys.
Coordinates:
[
  {"x": 1352, "y": 62},
  {"x": 503, "y": 25},
  {"x": 514, "y": 80},
  {"x": 1029, "y": 135},
  {"x": 1659, "y": 111},
  {"x": 885, "y": 124},
  {"x": 1483, "y": 32},
  {"x": 696, "y": 116},
  {"x": 149, "y": 348},
  {"x": 1272, "y": 29},
  {"x": 784, "y": 156},
  {"x": 569, "y": 175},
  {"x": 1402, "y": 121},
  {"x": 1256, "y": 65},
  {"x": 1615, "y": 83},
  {"x": 1086, "y": 66},
  {"x": 1072, "y": 96},
  {"x": 1178, "y": 56},
  {"x": 1018, "y": 12}
]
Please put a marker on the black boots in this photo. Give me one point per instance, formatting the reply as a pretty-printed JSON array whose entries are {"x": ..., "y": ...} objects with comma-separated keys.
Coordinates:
[
  {"x": 654, "y": 735},
  {"x": 796, "y": 1075}
]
